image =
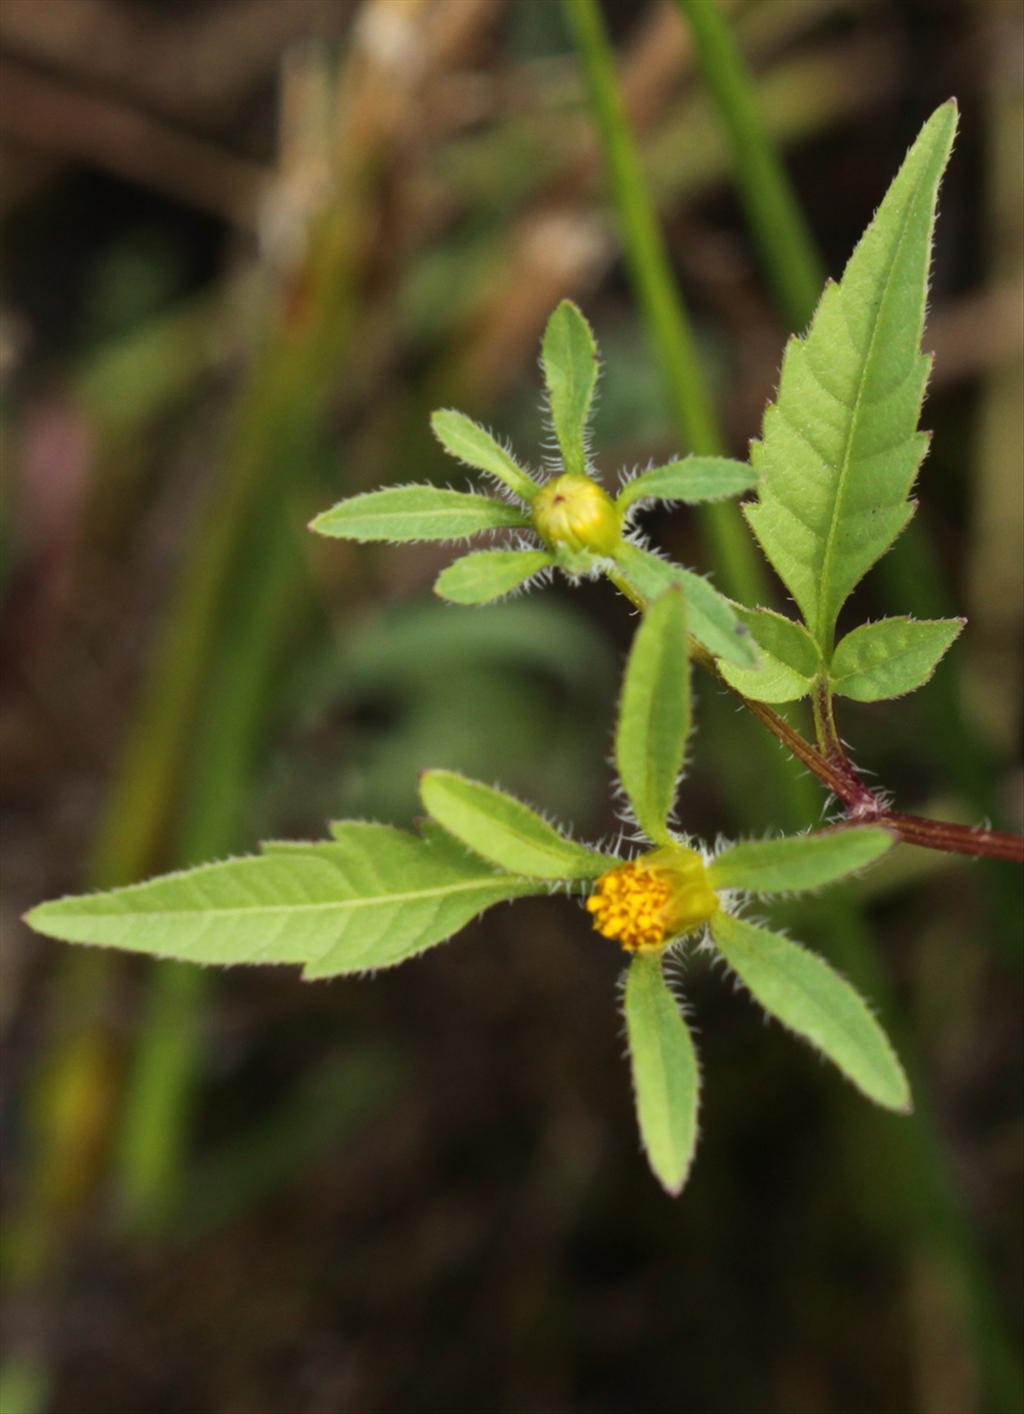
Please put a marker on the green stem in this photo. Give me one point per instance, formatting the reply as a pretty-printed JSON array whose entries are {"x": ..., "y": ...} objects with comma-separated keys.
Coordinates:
[
  {"x": 787, "y": 249},
  {"x": 664, "y": 312}
]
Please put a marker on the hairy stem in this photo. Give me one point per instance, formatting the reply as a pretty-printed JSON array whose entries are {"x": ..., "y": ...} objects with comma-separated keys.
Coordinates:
[{"x": 837, "y": 772}]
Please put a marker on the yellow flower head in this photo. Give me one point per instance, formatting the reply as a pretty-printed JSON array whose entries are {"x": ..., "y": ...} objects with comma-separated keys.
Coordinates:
[
  {"x": 645, "y": 904},
  {"x": 575, "y": 513}
]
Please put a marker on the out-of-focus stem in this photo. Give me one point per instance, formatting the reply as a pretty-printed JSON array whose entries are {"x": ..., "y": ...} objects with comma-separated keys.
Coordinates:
[{"x": 664, "y": 312}]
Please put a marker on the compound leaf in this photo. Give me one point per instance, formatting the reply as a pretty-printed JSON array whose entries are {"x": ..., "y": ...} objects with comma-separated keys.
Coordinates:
[
  {"x": 569, "y": 360},
  {"x": 416, "y": 513},
  {"x": 666, "y": 1076},
  {"x": 692, "y": 480},
  {"x": 472, "y": 444},
  {"x": 371, "y": 898},
  {"x": 805, "y": 994},
  {"x": 840, "y": 446},
  {"x": 789, "y": 659},
  {"x": 890, "y": 657},
  {"x": 505, "y": 831},
  {"x": 654, "y": 714},
  {"x": 798, "y": 862}
]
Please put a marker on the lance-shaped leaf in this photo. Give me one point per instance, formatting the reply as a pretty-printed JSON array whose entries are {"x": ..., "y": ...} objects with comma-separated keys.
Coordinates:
[
  {"x": 371, "y": 898},
  {"x": 654, "y": 714},
  {"x": 416, "y": 513},
  {"x": 711, "y": 618},
  {"x": 789, "y": 658},
  {"x": 488, "y": 574},
  {"x": 505, "y": 831},
  {"x": 840, "y": 446},
  {"x": 805, "y": 994},
  {"x": 569, "y": 360},
  {"x": 666, "y": 1077},
  {"x": 692, "y": 480},
  {"x": 472, "y": 444},
  {"x": 891, "y": 657},
  {"x": 798, "y": 862}
]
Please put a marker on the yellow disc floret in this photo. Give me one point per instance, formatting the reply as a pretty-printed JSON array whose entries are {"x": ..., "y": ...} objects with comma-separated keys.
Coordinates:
[
  {"x": 574, "y": 513},
  {"x": 645, "y": 904}
]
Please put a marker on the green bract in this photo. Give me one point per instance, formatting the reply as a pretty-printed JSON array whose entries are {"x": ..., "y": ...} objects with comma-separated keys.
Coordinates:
[
  {"x": 581, "y": 529},
  {"x": 373, "y": 896},
  {"x": 666, "y": 1076}
]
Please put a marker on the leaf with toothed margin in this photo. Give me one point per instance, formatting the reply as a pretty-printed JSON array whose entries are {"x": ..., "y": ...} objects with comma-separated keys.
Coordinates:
[
  {"x": 666, "y": 1076},
  {"x": 891, "y": 657},
  {"x": 505, "y": 830},
  {"x": 710, "y": 616},
  {"x": 488, "y": 574},
  {"x": 805, "y": 994},
  {"x": 370, "y": 898},
  {"x": 403, "y": 513},
  {"x": 569, "y": 360},
  {"x": 840, "y": 447},
  {"x": 790, "y": 659},
  {"x": 472, "y": 444}
]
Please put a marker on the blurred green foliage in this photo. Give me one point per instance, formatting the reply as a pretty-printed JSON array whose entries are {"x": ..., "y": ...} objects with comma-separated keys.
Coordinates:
[{"x": 424, "y": 1194}]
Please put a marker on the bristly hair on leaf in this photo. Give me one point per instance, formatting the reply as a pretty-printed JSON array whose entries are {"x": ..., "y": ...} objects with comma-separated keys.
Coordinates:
[{"x": 840, "y": 447}]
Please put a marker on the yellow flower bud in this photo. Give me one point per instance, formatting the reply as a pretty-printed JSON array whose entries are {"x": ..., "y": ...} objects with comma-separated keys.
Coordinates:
[
  {"x": 660, "y": 896},
  {"x": 574, "y": 513}
]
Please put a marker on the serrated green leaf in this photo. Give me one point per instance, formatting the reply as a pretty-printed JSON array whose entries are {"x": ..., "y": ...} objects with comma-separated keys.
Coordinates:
[
  {"x": 840, "y": 446},
  {"x": 805, "y": 994},
  {"x": 710, "y": 617},
  {"x": 789, "y": 658},
  {"x": 371, "y": 898},
  {"x": 488, "y": 574},
  {"x": 666, "y": 1076},
  {"x": 401, "y": 513},
  {"x": 569, "y": 360},
  {"x": 472, "y": 444},
  {"x": 654, "y": 714},
  {"x": 691, "y": 480},
  {"x": 799, "y": 862},
  {"x": 891, "y": 657},
  {"x": 505, "y": 831}
]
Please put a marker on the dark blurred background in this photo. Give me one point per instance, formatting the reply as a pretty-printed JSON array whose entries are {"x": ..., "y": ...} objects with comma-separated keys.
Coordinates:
[{"x": 249, "y": 244}]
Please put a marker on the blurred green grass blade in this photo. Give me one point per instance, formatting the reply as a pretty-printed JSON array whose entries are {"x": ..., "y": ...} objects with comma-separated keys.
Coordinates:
[
  {"x": 787, "y": 248},
  {"x": 664, "y": 313},
  {"x": 25, "y": 1385},
  {"x": 155, "y": 1118},
  {"x": 323, "y": 1112}
]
